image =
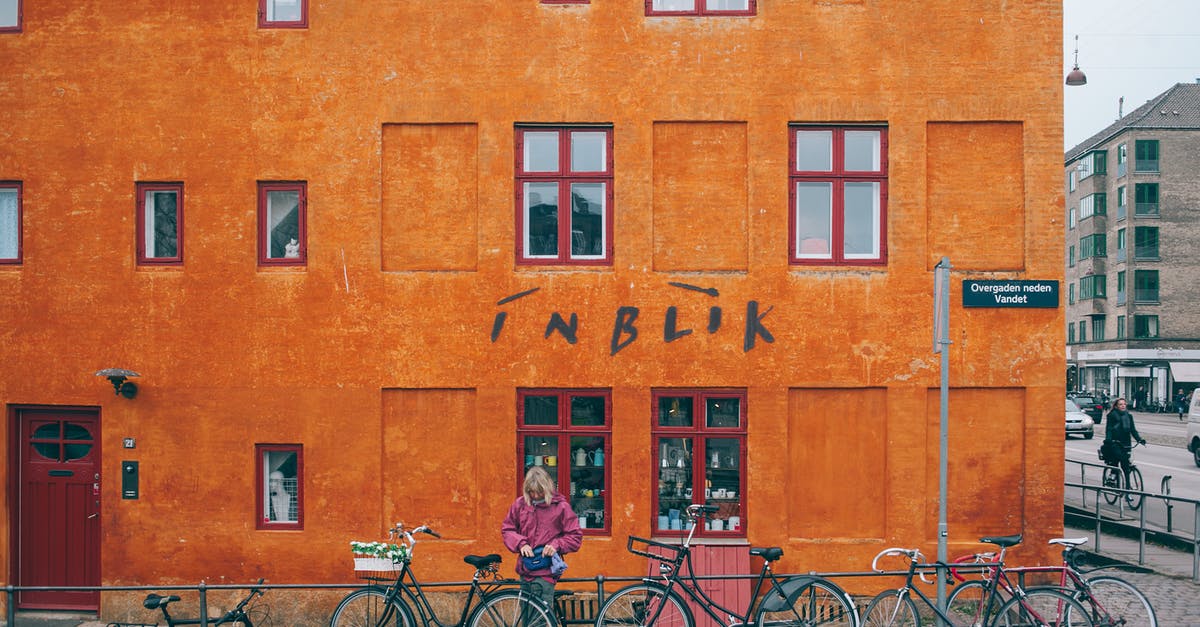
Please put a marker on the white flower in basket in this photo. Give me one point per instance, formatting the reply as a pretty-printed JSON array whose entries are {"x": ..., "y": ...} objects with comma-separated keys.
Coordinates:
[{"x": 378, "y": 556}]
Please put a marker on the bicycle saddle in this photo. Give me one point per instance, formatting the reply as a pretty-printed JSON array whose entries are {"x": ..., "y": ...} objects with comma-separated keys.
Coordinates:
[
  {"x": 1002, "y": 541},
  {"x": 1069, "y": 541},
  {"x": 482, "y": 561},
  {"x": 769, "y": 553},
  {"x": 155, "y": 601}
]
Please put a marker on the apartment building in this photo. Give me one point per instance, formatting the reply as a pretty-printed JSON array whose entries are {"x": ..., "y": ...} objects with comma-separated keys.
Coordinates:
[{"x": 1132, "y": 268}]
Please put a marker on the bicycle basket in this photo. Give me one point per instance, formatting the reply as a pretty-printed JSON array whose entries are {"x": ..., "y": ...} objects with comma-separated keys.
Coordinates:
[{"x": 378, "y": 560}]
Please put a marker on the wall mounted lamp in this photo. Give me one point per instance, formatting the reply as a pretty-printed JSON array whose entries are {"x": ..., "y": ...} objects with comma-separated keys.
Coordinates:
[
  {"x": 1076, "y": 77},
  {"x": 118, "y": 377}
]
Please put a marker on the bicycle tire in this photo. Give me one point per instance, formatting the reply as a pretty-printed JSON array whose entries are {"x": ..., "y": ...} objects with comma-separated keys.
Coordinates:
[
  {"x": 632, "y": 605},
  {"x": 1117, "y": 602},
  {"x": 966, "y": 604},
  {"x": 1111, "y": 479},
  {"x": 1043, "y": 607},
  {"x": 818, "y": 602},
  {"x": 367, "y": 607},
  {"x": 511, "y": 608},
  {"x": 1134, "y": 482},
  {"x": 891, "y": 609}
]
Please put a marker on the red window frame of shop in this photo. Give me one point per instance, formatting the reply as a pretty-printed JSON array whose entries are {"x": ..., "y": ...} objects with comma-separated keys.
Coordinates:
[
  {"x": 20, "y": 223},
  {"x": 259, "y": 506},
  {"x": 16, "y": 28},
  {"x": 697, "y": 432},
  {"x": 752, "y": 9},
  {"x": 263, "y": 22},
  {"x": 564, "y": 177},
  {"x": 142, "y": 258},
  {"x": 563, "y": 430},
  {"x": 838, "y": 176},
  {"x": 264, "y": 234}
]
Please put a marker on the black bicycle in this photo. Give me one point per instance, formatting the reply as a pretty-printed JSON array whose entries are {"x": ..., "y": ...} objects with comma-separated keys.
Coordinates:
[
  {"x": 1122, "y": 481},
  {"x": 491, "y": 600},
  {"x": 239, "y": 615},
  {"x": 801, "y": 601}
]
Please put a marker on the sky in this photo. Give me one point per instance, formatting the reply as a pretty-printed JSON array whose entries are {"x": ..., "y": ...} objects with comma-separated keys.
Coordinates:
[{"x": 1133, "y": 49}]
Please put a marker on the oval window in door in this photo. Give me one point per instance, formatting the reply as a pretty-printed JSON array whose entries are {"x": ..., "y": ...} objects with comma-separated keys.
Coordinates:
[
  {"x": 74, "y": 446},
  {"x": 47, "y": 450}
]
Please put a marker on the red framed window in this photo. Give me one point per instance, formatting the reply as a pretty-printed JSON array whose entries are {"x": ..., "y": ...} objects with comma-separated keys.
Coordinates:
[
  {"x": 283, "y": 13},
  {"x": 699, "y": 458},
  {"x": 569, "y": 432},
  {"x": 10, "y": 222},
  {"x": 10, "y": 16},
  {"x": 838, "y": 195},
  {"x": 554, "y": 164},
  {"x": 279, "y": 477},
  {"x": 160, "y": 223},
  {"x": 282, "y": 230},
  {"x": 566, "y": 1},
  {"x": 701, "y": 7}
]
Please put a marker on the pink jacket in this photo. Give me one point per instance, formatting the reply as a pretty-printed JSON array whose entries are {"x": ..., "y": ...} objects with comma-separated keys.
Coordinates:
[{"x": 537, "y": 525}]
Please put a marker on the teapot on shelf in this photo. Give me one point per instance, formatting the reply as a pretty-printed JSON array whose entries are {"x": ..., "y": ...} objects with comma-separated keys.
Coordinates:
[
  {"x": 597, "y": 457},
  {"x": 581, "y": 457}
]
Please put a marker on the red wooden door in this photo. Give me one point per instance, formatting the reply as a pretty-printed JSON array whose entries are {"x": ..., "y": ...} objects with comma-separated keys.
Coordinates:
[{"x": 58, "y": 529}]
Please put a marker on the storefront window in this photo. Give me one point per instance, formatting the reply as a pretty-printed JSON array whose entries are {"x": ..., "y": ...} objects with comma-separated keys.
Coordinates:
[
  {"x": 567, "y": 432},
  {"x": 279, "y": 472},
  {"x": 700, "y": 458}
]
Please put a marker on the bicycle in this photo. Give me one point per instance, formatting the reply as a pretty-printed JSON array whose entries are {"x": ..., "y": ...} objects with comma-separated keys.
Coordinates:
[
  {"x": 501, "y": 602},
  {"x": 239, "y": 615},
  {"x": 800, "y": 601},
  {"x": 1114, "y": 478},
  {"x": 1109, "y": 600},
  {"x": 1043, "y": 607}
]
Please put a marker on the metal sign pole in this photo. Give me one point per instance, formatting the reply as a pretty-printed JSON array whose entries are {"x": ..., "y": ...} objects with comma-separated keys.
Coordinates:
[{"x": 941, "y": 343}]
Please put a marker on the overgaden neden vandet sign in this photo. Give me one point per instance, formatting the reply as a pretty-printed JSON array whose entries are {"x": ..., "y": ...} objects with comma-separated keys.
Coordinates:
[{"x": 1015, "y": 293}]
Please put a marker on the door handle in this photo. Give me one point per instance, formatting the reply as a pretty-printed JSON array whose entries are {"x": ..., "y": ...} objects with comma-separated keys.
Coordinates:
[{"x": 93, "y": 516}]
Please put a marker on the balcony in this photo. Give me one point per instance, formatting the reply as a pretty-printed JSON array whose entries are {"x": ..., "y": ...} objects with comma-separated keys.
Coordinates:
[
  {"x": 1145, "y": 165},
  {"x": 1145, "y": 253},
  {"x": 1146, "y": 209},
  {"x": 1145, "y": 295}
]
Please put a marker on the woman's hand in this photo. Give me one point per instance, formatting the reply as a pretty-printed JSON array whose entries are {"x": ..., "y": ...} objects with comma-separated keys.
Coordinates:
[
  {"x": 549, "y": 550},
  {"x": 526, "y": 550}
]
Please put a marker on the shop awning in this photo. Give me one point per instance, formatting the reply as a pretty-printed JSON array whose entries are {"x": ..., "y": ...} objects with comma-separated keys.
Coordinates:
[{"x": 1185, "y": 371}]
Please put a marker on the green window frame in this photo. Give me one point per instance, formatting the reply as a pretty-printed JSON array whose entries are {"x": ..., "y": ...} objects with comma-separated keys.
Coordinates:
[
  {"x": 1145, "y": 327},
  {"x": 1145, "y": 286},
  {"x": 1145, "y": 155},
  {"x": 1092, "y": 286},
  {"x": 1145, "y": 242},
  {"x": 1120, "y": 327},
  {"x": 1145, "y": 199},
  {"x": 1093, "y": 246}
]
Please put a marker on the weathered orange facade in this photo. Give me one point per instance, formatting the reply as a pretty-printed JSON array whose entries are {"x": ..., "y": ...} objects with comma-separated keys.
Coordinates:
[{"x": 377, "y": 355}]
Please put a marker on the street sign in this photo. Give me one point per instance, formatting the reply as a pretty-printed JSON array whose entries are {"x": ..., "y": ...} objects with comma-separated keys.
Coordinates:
[{"x": 1015, "y": 293}]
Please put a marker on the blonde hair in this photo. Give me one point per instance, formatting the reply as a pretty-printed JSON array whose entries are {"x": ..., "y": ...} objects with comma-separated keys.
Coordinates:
[{"x": 538, "y": 480}]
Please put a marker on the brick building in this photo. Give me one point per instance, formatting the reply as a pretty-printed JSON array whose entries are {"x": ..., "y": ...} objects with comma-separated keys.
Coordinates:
[
  {"x": 1132, "y": 276},
  {"x": 332, "y": 239}
]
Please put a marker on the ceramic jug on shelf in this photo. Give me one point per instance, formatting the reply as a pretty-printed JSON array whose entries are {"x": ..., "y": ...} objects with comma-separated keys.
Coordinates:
[
  {"x": 581, "y": 457},
  {"x": 597, "y": 457},
  {"x": 716, "y": 460}
]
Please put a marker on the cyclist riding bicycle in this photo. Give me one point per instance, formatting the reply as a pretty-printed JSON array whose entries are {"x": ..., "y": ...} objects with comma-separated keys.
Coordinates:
[{"x": 1119, "y": 434}]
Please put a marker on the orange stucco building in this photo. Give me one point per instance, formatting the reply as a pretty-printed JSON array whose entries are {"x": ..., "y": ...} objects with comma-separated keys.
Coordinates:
[{"x": 331, "y": 246}]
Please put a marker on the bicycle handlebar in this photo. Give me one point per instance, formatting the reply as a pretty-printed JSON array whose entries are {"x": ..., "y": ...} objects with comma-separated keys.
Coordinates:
[{"x": 913, "y": 554}]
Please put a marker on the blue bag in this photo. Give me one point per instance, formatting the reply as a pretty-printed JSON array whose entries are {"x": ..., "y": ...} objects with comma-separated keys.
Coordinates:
[{"x": 537, "y": 562}]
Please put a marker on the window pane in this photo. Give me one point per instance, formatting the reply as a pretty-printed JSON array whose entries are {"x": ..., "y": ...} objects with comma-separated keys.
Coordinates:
[
  {"x": 587, "y": 219},
  {"x": 675, "y": 487},
  {"x": 862, "y": 151},
  {"x": 723, "y": 485},
  {"x": 814, "y": 151},
  {"x": 814, "y": 222},
  {"x": 161, "y": 224},
  {"x": 723, "y": 412},
  {"x": 542, "y": 450},
  {"x": 541, "y": 219},
  {"x": 675, "y": 411},
  {"x": 674, "y": 5},
  {"x": 588, "y": 152},
  {"x": 587, "y": 411},
  {"x": 10, "y": 232},
  {"x": 728, "y": 5},
  {"x": 541, "y": 151},
  {"x": 8, "y": 13},
  {"x": 283, "y": 10},
  {"x": 862, "y": 220},
  {"x": 587, "y": 489},
  {"x": 541, "y": 410},
  {"x": 283, "y": 224},
  {"x": 280, "y": 472}
]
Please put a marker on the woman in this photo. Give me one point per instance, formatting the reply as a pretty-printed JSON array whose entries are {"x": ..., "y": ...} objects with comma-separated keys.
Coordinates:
[
  {"x": 540, "y": 519},
  {"x": 1119, "y": 428}
]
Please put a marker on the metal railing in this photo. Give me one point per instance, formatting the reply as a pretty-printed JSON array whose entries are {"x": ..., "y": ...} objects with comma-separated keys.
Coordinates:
[{"x": 1145, "y": 528}]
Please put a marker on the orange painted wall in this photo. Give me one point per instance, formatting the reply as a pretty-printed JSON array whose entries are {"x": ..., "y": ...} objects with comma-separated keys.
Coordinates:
[{"x": 400, "y": 117}]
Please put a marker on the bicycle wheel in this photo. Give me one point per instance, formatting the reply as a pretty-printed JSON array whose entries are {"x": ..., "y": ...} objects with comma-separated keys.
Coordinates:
[
  {"x": 370, "y": 607},
  {"x": 966, "y": 605},
  {"x": 638, "y": 604},
  {"x": 1111, "y": 479},
  {"x": 1134, "y": 482},
  {"x": 511, "y": 608},
  {"x": 1043, "y": 607},
  {"x": 891, "y": 608},
  {"x": 816, "y": 602},
  {"x": 1114, "y": 601}
]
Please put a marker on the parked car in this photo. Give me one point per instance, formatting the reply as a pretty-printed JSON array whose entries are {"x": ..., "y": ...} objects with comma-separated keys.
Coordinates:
[
  {"x": 1080, "y": 423},
  {"x": 1093, "y": 406},
  {"x": 1193, "y": 428}
]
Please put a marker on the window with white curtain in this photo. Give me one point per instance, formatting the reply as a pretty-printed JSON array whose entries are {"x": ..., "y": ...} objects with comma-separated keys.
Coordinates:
[{"x": 10, "y": 222}]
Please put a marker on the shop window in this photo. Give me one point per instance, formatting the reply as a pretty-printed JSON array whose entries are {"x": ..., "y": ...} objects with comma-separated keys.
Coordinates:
[
  {"x": 160, "y": 223},
  {"x": 283, "y": 13},
  {"x": 10, "y": 16},
  {"x": 282, "y": 231},
  {"x": 568, "y": 432},
  {"x": 701, "y": 7},
  {"x": 10, "y": 222},
  {"x": 555, "y": 164},
  {"x": 280, "y": 480},
  {"x": 699, "y": 457},
  {"x": 838, "y": 195}
]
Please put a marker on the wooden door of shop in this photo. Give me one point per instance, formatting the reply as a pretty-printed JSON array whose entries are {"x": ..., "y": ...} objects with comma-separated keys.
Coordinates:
[{"x": 57, "y": 535}]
